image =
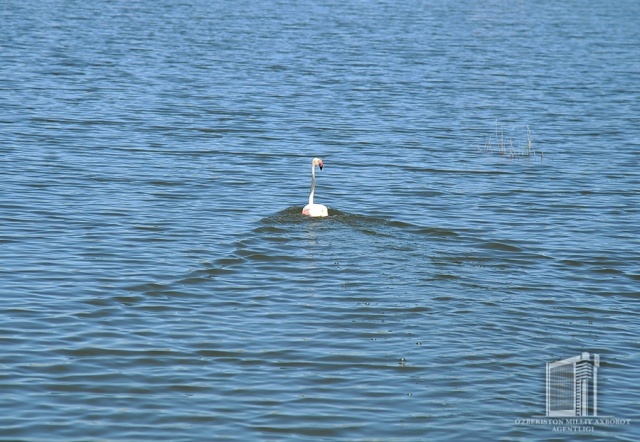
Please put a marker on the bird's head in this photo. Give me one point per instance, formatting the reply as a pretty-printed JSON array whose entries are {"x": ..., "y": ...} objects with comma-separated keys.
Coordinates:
[{"x": 317, "y": 162}]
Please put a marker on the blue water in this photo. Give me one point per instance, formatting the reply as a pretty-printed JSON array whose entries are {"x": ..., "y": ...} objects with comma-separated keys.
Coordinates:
[{"x": 157, "y": 280}]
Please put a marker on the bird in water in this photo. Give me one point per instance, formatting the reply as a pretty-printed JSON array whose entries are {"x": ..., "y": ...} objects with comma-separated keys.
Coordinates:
[{"x": 312, "y": 209}]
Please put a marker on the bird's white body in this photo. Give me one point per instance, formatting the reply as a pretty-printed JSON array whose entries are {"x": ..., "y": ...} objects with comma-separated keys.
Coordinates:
[
  {"x": 312, "y": 209},
  {"x": 315, "y": 210}
]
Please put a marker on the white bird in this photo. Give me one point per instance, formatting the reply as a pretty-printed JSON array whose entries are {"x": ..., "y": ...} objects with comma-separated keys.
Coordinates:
[{"x": 314, "y": 209}]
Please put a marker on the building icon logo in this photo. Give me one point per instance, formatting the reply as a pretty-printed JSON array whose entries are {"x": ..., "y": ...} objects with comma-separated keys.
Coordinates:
[
  {"x": 572, "y": 399},
  {"x": 572, "y": 386}
]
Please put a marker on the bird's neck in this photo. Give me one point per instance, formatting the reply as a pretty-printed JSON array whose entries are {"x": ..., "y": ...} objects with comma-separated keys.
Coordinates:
[{"x": 313, "y": 184}]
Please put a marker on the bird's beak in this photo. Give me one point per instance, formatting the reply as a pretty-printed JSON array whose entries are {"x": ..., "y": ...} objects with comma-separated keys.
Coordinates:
[{"x": 320, "y": 165}]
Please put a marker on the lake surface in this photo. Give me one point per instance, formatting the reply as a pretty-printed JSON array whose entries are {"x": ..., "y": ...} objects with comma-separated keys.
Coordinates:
[{"x": 158, "y": 282}]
